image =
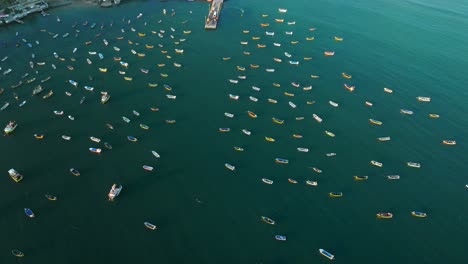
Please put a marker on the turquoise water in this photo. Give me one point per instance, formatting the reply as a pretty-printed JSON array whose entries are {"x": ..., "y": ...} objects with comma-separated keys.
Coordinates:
[{"x": 205, "y": 213}]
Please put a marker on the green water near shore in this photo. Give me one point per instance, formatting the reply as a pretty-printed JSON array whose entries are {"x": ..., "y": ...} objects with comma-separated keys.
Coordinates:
[{"x": 205, "y": 213}]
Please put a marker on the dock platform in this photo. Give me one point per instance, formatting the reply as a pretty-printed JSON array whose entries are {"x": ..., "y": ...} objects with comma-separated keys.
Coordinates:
[{"x": 211, "y": 21}]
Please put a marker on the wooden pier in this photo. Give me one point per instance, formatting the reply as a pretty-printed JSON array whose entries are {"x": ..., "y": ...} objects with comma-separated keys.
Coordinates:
[{"x": 211, "y": 21}]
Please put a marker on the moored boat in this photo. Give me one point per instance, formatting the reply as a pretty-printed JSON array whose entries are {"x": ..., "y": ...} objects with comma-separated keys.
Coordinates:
[
  {"x": 384, "y": 215},
  {"x": 281, "y": 161},
  {"x": 29, "y": 213},
  {"x": 95, "y": 150},
  {"x": 14, "y": 175},
  {"x": 382, "y": 139},
  {"x": 10, "y": 127},
  {"x": 155, "y": 154},
  {"x": 449, "y": 142},
  {"x": 292, "y": 181},
  {"x": 149, "y": 225},
  {"x": 229, "y": 166},
  {"x": 406, "y": 112},
  {"x": 423, "y": 99},
  {"x": 326, "y": 254},
  {"x": 361, "y": 178},
  {"x": 413, "y": 164},
  {"x": 312, "y": 183},
  {"x": 252, "y": 114},
  {"x": 143, "y": 126},
  {"x": 75, "y": 172},
  {"x": 375, "y": 122},
  {"x": 224, "y": 129},
  {"x": 330, "y": 134},
  {"x": 277, "y": 121},
  {"x": 147, "y": 168},
  {"x": 267, "y": 181},
  {"x": 114, "y": 191},
  {"x": 376, "y": 163},
  {"x": 418, "y": 214},
  {"x": 17, "y": 253},
  {"x": 247, "y": 132},
  {"x": 393, "y": 177},
  {"x": 268, "y": 220},
  {"x": 105, "y": 97},
  {"x": 280, "y": 238},
  {"x": 335, "y": 194},
  {"x": 132, "y": 139}
]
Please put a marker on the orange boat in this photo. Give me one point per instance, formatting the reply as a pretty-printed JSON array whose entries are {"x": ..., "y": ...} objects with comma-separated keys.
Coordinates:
[
  {"x": 252, "y": 114},
  {"x": 264, "y": 25},
  {"x": 254, "y": 66}
]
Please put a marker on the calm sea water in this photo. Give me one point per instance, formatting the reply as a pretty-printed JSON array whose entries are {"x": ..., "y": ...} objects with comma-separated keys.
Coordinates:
[{"x": 205, "y": 213}]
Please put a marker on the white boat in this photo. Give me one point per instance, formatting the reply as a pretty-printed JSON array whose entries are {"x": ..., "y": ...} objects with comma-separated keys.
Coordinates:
[
  {"x": 253, "y": 99},
  {"x": 282, "y": 10},
  {"x": 292, "y": 104},
  {"x": 316, "y": 117},
  {"x": 270, "y": 70},
  {"x": 58, "y": 112},
  {"x": 245, "y": 131},
  {"x": 273, "y": 101},
  {"x": 89, "y": 61},
  {"x": 277, "y": 45},
  {"x": 312, "y": 183},
  {"x": 267, "y": 181},
  {"x": 327, "y": 254},
  {"x": 126, "y": 119},
  {"x": 376, "y": 163},
  {"x": 287, "y": 55},
  {"x": 330, "y": 154},
  {"x": 383, "y": 139},
  {"x": 155, "y": 154},
  {"x": 149, "y": 225},
  {"x": 255, "y": 88},
  {"x": 229, "y": 115},
  {"x": 22, "y": 103},
  {"x": 229, "y": 166},
  {"x": 423, "y": 99},
  {"x": 406, "y": 112},
  {"x": 66, "y": 137},
  {"x": 89, "y": 88},
  {"x": 10, "y": 127},
  {"x": 147, "y": 168},
  {"x": 270, "y": 33},
  {"x": 169, "y": 96},
  {"x": 233, "y": 81},
  {"x": 288, "y": 32},
  {"x": 135, "y": 113},
  {"x": 293, "y": 62},
  {"x": 303, "y": 149},
  {"x": 114, "y": 191},
  {"x": 413, "y": 164},
  {"x": 95, "y": 139},
  {"x": 71, "y": 117},
  {"x": 234, "y": 97},
  {"x": 393, "y": 177},
  {"x": 333, "y": 103},
  {"x": 95, "y": 150}
]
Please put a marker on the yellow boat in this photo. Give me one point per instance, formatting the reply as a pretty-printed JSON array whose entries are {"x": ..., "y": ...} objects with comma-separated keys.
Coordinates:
[
  {"x": 375, "y": 122},
  {"x": 269, "y": 139},
  {"x": 187, "y": 32},
  {"x": 294, "y": 42},
  {"x": 335, "y": 194},
  {"x": 255, "y": 38},
  {"x": 141, "y": 34},
  {"x": 154, "y": 32},
  {"x": 434, "y": 116},
  {"x": 254, "y": 66},
  {"x": 277, "y": 121},
  {"x": 279, "y": 20},
  {"x": 360, "y": 178},
  {"x": 277, "y": 85},
  {"x": 149, "y": 46},
  {"x": 117, "y": 58},
  {"x": 252, "y": 114},
  {"x": 130, "y": 42},
  {"x": 163, "y": 51},
  {"x": 289, "y": 94},
  {"x": 297, "y": 136},
  {"x": 103, "y": 69},
  {"x": 261, "y": 46},
  {"x": 240, "y": 68},
  {"x": 338, "y": 39},
  {"x": 264, "y": 25},
  {"x": 314, "y": 76},
  {"x": 161, "y": 65},
  {"x": 226, "y": 58},
  {"x": 310, "y": 102},
  {"x": 310, "y": 39},
  {"x": 238, "y": 149},
  {"x": 141, "y": 54},
  {"x": 119, "y": 38},
  {"x": 264, "y": 15},
  {"x": 347, "y": 76},
  {"x": 128, "y": 78},
  {"x": 330, "y": 134},
  {"x": 152, "y": 85},
  {"x": 164, "y": 75}
]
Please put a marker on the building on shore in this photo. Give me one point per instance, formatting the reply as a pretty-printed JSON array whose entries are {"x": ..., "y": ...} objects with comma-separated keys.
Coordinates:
[{"x": 21, "y": 9}]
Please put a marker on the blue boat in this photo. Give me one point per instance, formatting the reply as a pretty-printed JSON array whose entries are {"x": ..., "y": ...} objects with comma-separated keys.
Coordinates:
[
  {"x": 29, "y": 212},
  {"x": 133, "y": 139},
  {"x": 326, "y": 254},
  {"x": 280, "y": 238},
  {"x": 101, "y": 56}
]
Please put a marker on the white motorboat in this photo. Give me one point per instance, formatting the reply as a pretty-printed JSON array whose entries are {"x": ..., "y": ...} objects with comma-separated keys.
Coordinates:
[{"x": 114, "y": 192}]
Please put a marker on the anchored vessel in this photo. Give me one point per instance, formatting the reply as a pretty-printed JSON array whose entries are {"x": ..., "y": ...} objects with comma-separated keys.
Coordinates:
[
  {"x": 114, "y": 191},
  {"x": 326, "y": 254},
  {"x": 10, "y": 127},
  {"x": 15, "y": 175}
]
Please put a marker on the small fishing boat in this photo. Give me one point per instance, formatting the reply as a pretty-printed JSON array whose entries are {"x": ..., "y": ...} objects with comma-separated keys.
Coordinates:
[
  {"x": 149, "y": 225},
  {"x": 384, "y": 215},
  {"x": 229, "y": 166},
  {"x": 303, "y": 149},
  {"x": 317, "y": 118},
  {"x": 126, "y": 119},
  {"x": 449, "y": 142},
  {"x": 382, "y": 139},
  {"x": 110, "y": 126},
  {"x": 66, "y": 137},
  {"x": 349, "y": 87},
  {"x": 268, "y": 220},
  {"x": 413, "y": 164},
  {"x": 297, "y": 136},
  {"x": 17, "y": 253},
  {"x": 107, "y": 145},
  {"x": 105, "y": 97},
  {"x": 10, "y": 127},
  {"x": 273, "y": 101},
  {"x": 434, "y": 116},
  {"x": 247, "y": 132},
  {"x": 39, "y": 136},
  {"x": 29, "y": 213},
  {"x": 5, "y": 106},
  {"x": 51, "y": 197},
  {"x": 375, "y": 122},
  {"x": 393, "y": 177},
  {"x": 376, "y": 163},
  {"x": 114, "y": 191},
  {"x": 361, "y": 178},
  {"x": 252, "y": 114},
  {"x": 95, "y": 139},
  {"x": 312, "y": 183},
  {"x": 423, "y": 99},
  {"x": 95, "y": 150},
  {"x": 270, "y": 139},
  {"x": 147, "y": 168},
  {"x": 330, "y": 154},
  {"x": 292, "y": 181},
  {"x": 238, "y": 149},
  {"x": 132, "y": 139},
  {"x": 224, "y": 129},
  {"x": 293, "y": 105},
  {"x": 326, "y": 254},
  {"x": 37, "y": 90},
  {"x": 335, "y": 194},
  {"x": 281, "y": 161},
  {"x": 75, "y": 172},
  {"x": 333, "y": 103},
  {"x": 418, "y": 214},
  {"x": 280, "y": 238},
  {"x": 155, "y": 154},
  {"x": 346, "y": 76},
  {"x": 330, "y": 134},
  {"x": 267, "y": 181},
  {"x": 233, "y": 97},
  {"x": 48, "y": 95},
  {"x": 277, "y": 121},
  {"x": 329, "y": 53},
  {"x": 143, "y": 126},
  {"x": 229, "y": 115},
  {"x": 14, "y": 175},
  {"x": 82, "y": 99}
]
